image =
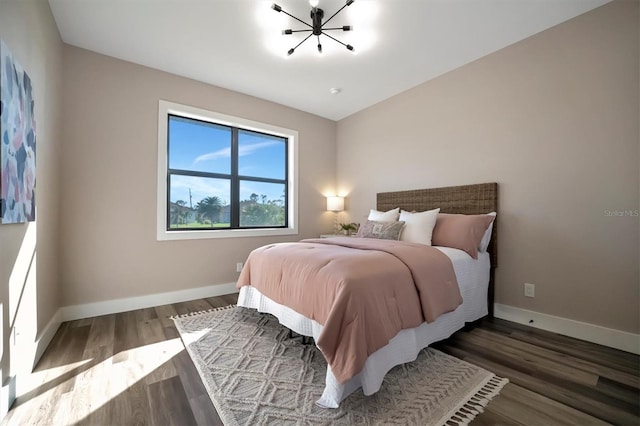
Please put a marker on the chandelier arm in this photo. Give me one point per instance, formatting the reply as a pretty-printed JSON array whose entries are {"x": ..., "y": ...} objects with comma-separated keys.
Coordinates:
[
  {"x": 297, "y": 19},
  {"x": 339, "y": 10},
  {"x": 300, "y": 31},
  {"x": 305, "y": 39},
  {"x": 336, "y": 28},
  {"x": 334, "y": 39}
]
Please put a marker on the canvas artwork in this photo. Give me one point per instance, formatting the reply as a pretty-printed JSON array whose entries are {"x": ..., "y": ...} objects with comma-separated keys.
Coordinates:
[{"x": 18, "y": 142}]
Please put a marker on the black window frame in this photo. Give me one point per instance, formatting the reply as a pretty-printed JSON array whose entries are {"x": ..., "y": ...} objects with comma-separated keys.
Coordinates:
[{"x": 234, "y": 178}]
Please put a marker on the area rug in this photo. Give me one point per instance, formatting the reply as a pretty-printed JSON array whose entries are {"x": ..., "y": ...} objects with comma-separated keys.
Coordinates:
[{"x": 256, "y": 374}]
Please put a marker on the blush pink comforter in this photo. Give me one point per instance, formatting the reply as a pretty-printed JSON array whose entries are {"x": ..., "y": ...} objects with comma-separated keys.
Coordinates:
[{"x": 363, "y": 291}]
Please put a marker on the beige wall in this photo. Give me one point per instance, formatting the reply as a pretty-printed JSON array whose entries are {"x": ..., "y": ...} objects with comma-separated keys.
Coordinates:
[
  {"x": 554, "y": 120},
  {"x": 109, "y": 181},
  {"x": 28, "y": 29}
]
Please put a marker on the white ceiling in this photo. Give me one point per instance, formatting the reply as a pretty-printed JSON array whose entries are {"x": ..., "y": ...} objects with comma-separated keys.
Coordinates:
[{"x": 237, "y": 44}]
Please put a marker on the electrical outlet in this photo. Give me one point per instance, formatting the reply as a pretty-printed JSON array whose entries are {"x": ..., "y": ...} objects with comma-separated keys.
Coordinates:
[
  {"x": 529, "y": 290},
  {"x": 239, "y": 267}
]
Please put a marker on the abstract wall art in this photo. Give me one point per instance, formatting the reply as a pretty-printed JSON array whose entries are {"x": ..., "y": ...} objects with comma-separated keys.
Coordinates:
[{"x": 17, "y": 142}]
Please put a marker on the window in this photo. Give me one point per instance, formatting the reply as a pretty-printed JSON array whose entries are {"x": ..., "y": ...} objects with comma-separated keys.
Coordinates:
[{"x": 223, "y": 176}]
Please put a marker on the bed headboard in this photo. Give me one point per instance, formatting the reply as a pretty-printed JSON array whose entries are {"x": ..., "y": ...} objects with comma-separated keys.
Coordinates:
[{"x": 465, "y": 199}]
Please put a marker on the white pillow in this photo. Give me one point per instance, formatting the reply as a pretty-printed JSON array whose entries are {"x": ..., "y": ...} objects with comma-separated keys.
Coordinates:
[
  {"x": 418, "y": 226},
  {"x": 486, "y": 238},
  {"x": 389, "y": 216}
]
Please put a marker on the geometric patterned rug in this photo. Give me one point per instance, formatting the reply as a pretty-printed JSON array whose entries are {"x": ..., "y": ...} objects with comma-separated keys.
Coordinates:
[{"x": 256, "y": 374}]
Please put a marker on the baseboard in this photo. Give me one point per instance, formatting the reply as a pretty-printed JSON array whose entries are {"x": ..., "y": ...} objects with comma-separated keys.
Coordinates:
[
  {"x": 88, "y": 310},
  {"x": 617, "y": 339},
  {"x": 7, "y": 396},
  {"x": 46, "y": 335}
]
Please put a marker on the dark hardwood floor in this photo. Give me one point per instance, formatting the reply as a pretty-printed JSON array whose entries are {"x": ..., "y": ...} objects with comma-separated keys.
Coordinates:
[{"x": 131, "y": 368}]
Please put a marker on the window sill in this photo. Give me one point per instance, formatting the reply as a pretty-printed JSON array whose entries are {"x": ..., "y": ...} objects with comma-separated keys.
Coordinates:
[{"x": 164, "y": 235}]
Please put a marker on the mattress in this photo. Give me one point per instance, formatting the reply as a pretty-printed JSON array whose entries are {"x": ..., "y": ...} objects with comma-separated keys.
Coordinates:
[{"x": 473, "y": 280}]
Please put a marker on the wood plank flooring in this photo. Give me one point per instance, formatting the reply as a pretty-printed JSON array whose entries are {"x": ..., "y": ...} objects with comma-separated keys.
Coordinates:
[{"x": 131, "y": 368}]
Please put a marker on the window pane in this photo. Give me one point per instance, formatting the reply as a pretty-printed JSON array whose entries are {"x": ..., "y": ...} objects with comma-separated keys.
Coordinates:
[
  {"x": 261, "y": 155},
  {"x": 262, "y": 204},
  {"x": 198, "y": 202},
  {"x": 199, "y": 146}
]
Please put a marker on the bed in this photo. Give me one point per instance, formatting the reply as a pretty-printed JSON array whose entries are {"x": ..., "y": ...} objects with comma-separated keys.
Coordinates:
[{"x": 474, "y": 278}]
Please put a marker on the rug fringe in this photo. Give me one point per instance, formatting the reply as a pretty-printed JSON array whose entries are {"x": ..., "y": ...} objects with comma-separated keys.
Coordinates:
[
  {"x": 206, "y": 311},
  {"x": 475, "y": 405}
]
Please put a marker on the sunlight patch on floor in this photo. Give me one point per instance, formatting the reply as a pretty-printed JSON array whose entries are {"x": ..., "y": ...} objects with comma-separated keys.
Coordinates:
[
  {"x": 193, "y": 336},
  {"x": 37, "y": 378},
  {"x": 93, "y": 387}
]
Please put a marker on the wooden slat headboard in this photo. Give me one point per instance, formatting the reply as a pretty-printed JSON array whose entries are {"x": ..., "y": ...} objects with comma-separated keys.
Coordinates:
[{"x": 466, "y": 199}]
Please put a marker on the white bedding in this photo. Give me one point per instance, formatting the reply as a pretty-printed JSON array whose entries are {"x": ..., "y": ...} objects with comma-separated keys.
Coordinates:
[{"x": 473, "y": 279}]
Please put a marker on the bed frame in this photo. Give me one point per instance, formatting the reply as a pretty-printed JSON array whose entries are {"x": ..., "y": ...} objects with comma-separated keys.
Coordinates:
[{"x": 465, "y": 199}]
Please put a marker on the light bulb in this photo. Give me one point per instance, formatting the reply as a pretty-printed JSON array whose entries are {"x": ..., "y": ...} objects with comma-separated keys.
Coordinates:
[{"x": 314, "y": 3}]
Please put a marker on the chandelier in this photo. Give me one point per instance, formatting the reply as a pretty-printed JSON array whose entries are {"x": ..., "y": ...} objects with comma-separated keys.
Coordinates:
[{"x": 317, "y": 27}]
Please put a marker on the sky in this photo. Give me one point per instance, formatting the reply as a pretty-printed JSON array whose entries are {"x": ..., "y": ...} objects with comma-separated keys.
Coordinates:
[{"x": 206, "y": 147}]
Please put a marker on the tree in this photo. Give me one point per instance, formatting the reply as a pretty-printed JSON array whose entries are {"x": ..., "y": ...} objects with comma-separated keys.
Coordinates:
[
  {"x": 178, "y": 212},
  {"x": 209, "y": 208},
  {"x": 267, "y": 213},
  {"x": 182, "y": 212}
]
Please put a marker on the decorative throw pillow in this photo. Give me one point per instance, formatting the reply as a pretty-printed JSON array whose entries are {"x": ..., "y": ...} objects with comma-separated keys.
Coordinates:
[
  {"x": 418, "y": 226},
  {"x": 380, "y": 230},
  {"x": 461, "y": 231},
  {"x": 486, "y": 238},
  {"x": 388, "y": 216}
]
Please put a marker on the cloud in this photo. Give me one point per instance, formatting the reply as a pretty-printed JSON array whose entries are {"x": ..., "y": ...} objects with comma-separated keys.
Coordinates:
[
  {"x": 223, "y": 153},
  {"x": 226, "y": 152}
]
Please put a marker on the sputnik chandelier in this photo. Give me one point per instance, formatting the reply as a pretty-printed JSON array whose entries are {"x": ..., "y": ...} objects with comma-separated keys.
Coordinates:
[{"x": 317, "y": 27}]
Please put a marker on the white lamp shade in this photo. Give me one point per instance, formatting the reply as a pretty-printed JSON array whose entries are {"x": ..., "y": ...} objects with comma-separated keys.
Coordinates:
[{"x": 335, "y": 204}]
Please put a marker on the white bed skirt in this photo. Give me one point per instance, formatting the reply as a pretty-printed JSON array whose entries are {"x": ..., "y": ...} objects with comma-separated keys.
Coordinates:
[{"x": 473, "y": 279}]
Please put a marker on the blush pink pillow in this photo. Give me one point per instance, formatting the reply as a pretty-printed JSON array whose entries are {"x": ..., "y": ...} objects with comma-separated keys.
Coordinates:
[{"x": 461, "y": 231}]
